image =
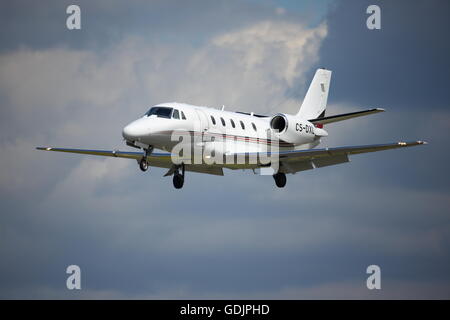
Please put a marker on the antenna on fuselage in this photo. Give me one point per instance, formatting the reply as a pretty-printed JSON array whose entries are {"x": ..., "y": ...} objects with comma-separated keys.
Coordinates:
[{"x": 223, "y": 107}]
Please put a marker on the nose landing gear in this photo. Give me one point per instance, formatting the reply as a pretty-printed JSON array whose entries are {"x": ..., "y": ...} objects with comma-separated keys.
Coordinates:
[
  {"x": 280, "y": 179},
  {"x": 143, "y": 162}
]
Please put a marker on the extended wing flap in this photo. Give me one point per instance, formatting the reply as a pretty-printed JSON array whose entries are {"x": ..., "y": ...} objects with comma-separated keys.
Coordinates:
[
  {"x": 303, "y": 165},
  {"x": 330, "y": 161}
]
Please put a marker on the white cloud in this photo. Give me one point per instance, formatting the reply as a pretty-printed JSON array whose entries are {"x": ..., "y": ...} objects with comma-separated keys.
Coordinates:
[
  {"x": 252, "y": 68},
  {"x": 284, "y": 49}
]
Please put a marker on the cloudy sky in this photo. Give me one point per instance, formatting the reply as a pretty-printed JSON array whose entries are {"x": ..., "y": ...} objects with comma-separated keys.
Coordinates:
[{"x": 236, "y": 236}]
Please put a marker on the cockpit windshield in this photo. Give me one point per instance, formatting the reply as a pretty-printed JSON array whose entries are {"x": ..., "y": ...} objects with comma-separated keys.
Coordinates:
[{"x": 161, "y": 112}]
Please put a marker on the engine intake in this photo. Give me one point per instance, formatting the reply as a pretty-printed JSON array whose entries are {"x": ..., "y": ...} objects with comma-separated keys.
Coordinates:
[
  {"x": 292, "y": 129},
  {"x": 279, "y": 122}
]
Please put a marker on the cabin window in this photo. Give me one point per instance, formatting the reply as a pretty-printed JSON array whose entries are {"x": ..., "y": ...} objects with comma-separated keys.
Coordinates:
[
  {"x": 213, "y": 120},
  {"x": 223, "y": 121},
  {"x": 176, "y": 114},
  {"x": 232, "y": 123},
  {"x": 242, "y": 125},
  {"x": 254, "y": 126},
  {"x": 183, "y": 116},
  {"x": 161, "y": 112}
]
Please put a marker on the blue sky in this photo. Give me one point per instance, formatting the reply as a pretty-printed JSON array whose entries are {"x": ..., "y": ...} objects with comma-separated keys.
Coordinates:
[{"x": 236, "y": 236}]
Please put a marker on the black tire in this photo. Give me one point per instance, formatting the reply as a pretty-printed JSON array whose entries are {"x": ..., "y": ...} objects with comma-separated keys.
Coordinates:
[
  {"x": 143, "y": 164},
  {"x": 178, "y": 181},
  {"x": 280, "y": 179}
]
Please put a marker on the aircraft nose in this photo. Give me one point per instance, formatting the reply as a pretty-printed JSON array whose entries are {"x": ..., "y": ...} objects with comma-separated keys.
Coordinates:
[{"x": 130, "y": 132}]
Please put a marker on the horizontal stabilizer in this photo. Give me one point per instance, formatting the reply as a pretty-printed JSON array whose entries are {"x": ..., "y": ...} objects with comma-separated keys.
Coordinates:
[{"x": 345, "y": 116}]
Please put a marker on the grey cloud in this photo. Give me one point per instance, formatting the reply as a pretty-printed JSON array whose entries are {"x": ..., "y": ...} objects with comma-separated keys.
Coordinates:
[
  {"x": 42, "y": 24},
  {"x": 404, "y": 64}
]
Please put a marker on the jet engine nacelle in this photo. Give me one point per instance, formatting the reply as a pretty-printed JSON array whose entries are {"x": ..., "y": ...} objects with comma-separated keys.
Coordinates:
[{"x": 295, "y": 130}]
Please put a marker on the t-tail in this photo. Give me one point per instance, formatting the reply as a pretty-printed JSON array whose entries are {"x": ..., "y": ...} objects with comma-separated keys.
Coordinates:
[{"x": 315, "y": 102}]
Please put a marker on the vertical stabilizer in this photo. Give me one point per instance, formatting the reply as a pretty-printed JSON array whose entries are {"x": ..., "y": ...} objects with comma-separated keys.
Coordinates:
[{"x": 315, "y": 101}]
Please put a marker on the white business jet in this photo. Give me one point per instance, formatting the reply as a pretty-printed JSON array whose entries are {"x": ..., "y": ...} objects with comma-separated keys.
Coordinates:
[{"x": 288, "y": 141}]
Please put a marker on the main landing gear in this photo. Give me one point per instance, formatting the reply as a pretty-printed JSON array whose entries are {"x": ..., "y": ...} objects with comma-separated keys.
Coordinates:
[
  {"x": 280, "y": 179},
  {"x": 143, "y": 163},
  {"x": 178, "y": 177}
]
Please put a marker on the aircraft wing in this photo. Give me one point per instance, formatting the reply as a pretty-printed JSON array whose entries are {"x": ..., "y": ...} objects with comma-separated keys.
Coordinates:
[
  {"x": 290, "y": 161},
  {"x": 161, "y": 160},
  {"x": 299, "y": 160}
]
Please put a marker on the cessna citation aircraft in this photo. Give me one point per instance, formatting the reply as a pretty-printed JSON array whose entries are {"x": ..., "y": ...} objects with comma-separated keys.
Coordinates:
[{"x": 287, "y": 143}]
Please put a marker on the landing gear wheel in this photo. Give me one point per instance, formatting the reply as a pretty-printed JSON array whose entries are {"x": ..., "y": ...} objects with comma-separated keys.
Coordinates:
[
  {"x": 143, "y": 164},
  {"x": 178, "y": 181},
  {"x": 280, "y": 179}
]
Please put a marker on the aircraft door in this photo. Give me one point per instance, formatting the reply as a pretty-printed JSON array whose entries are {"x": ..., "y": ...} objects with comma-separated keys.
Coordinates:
[
  {"x": 204, "y": 125},
  {"x": 203, "y": 121}
]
